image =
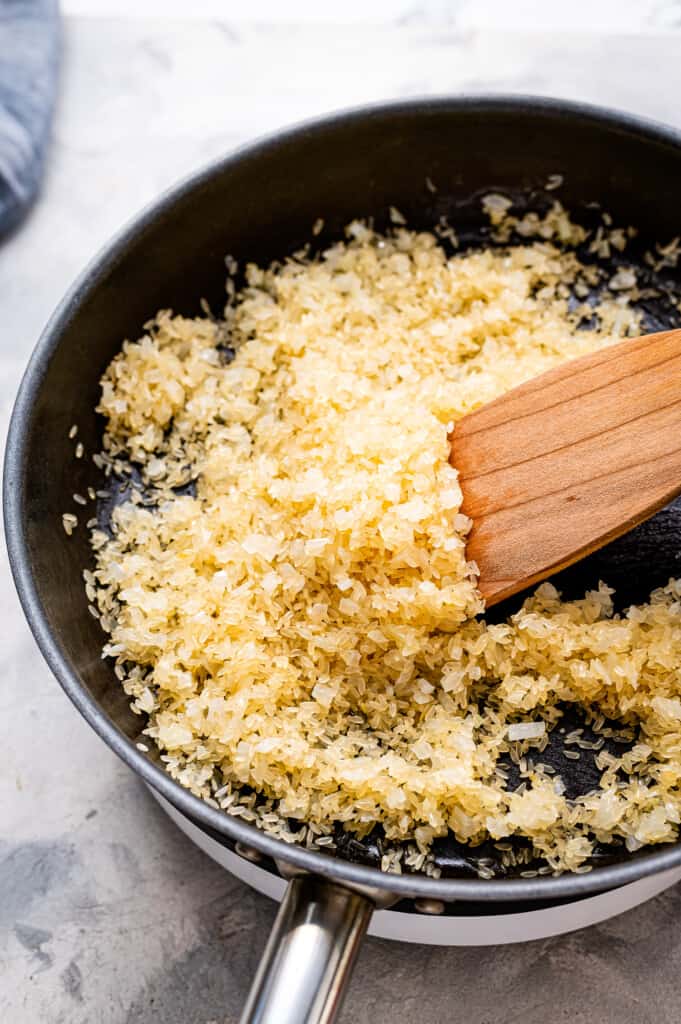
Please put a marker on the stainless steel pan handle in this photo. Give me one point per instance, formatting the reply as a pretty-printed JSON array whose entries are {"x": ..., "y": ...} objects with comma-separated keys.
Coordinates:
[{"x": 309, "y": 955}]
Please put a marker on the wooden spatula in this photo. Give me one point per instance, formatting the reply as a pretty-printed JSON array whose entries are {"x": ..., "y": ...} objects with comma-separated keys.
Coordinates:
[{"x": 570, "y": 460}]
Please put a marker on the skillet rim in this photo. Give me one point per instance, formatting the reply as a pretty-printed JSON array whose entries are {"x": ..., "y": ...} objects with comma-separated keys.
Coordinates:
[{"x": 567, "y": 886}]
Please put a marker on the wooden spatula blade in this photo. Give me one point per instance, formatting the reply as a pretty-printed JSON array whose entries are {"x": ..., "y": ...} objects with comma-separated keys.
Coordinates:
[{"x": 563, "y": 464}]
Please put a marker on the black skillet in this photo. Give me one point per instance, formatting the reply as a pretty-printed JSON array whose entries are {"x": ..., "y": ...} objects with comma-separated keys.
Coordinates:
[{"x": 259, "y": 204}]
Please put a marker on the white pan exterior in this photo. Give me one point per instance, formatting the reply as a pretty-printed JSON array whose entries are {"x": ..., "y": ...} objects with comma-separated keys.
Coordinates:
[{"x": 450, "y": 930}]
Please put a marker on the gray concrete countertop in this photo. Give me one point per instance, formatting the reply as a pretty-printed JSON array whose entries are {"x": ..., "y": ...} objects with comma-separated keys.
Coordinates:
[{"x": 107, "y": 913}]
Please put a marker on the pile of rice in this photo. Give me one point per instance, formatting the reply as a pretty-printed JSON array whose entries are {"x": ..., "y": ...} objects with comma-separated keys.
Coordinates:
[{"x": 304, "y": 625}]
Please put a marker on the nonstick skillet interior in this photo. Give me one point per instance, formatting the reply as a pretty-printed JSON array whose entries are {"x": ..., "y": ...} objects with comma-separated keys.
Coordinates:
[{"x": 261, "y": 205}]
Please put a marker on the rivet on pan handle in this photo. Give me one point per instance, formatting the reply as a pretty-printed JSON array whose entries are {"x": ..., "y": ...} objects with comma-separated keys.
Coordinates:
[{"x": 309, "y": 955}]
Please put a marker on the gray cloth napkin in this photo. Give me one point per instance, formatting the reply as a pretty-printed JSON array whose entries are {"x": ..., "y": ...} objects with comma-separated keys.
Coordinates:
[{"x": 29, "y": 60}]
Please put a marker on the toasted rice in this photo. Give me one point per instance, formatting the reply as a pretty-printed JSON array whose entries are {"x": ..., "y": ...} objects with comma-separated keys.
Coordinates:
[{"x": 305, "y": 624}]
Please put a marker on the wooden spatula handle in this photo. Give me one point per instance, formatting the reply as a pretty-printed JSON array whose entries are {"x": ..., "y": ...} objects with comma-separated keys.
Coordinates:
[{"x": 570, "y": 460}]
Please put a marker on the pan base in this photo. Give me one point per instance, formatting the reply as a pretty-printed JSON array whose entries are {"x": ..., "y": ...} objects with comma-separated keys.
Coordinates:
[{"x": 475, "y": 928}]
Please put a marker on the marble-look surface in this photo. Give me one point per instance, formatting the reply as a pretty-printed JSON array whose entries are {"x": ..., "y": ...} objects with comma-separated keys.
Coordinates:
[
  {"x": 535, "y": 15},
  {"x": 107, "y": 913}
]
